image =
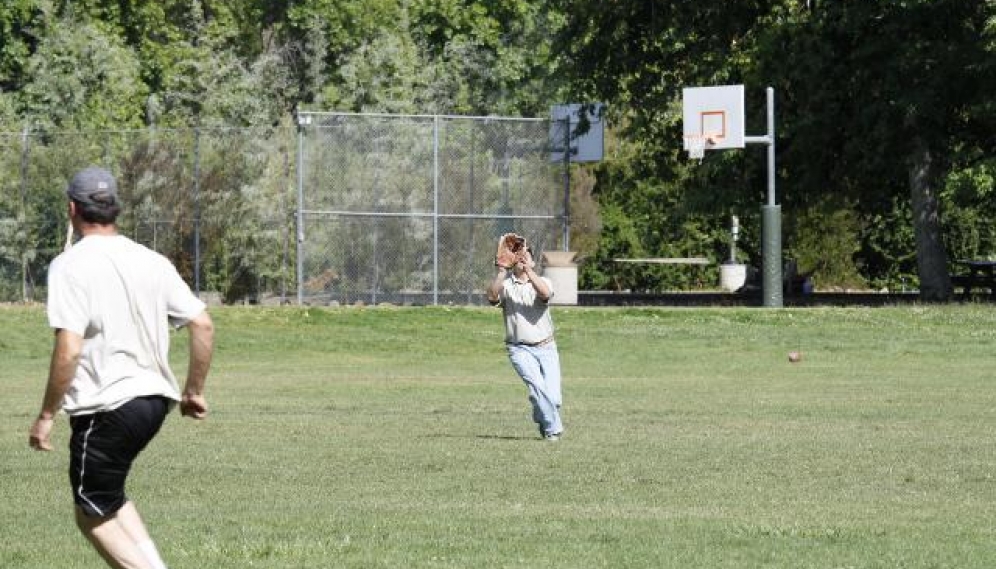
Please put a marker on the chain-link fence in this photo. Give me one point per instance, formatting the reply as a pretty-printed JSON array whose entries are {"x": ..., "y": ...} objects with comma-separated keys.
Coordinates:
[
  {"x": 337, "y": 209},
  {"x": 407, "y": 209},
  {"x": 215, "y": 201}
]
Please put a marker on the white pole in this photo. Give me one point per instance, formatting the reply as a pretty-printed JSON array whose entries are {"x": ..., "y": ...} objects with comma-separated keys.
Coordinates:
[{"x": 771, "y": 145}]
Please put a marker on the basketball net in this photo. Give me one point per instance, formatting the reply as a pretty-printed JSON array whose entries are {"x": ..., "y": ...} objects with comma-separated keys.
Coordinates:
[{"x": 696, "y": 145}]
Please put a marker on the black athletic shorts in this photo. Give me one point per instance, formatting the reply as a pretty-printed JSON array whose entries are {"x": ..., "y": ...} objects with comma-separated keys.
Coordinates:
[{"x": 102, "y": 448}]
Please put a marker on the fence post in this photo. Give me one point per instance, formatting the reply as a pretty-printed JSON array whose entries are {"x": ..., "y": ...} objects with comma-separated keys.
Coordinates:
[
  {"x": 302, "y": 120},
  {"x": 23, "y": 213},
  {"x": 283, "y": 222},
  {"x": 197, "y": 211},
  {"x": 435, "y": 210}
]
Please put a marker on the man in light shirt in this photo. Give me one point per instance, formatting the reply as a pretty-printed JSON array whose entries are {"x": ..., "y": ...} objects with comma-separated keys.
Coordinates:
[
  {"x": 524, "y": 297},
  {"x": 111, "y": 303}
]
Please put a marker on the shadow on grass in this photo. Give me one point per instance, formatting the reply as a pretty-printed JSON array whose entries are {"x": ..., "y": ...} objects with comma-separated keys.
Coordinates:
[
  {"x": 506, "y": 438},
  {"x": 484, "y": 437}
]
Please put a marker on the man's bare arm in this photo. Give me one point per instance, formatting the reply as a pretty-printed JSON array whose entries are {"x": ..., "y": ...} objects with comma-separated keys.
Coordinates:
[
  {"x": 542, "y": 291},
  {"x": 201, "y": 329},
  {"x": 494, "y": 289},
  {"x": 65, "y": 357}
]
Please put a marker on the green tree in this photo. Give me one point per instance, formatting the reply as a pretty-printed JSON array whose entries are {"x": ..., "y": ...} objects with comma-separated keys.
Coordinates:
[
  {"x": 491, "y": 57},
  {"x": 452, "y": 57},
  {"x": 323, "y": 33},
  {"x": 22, "y": 23},
  {"x": 81, "y": 78}
]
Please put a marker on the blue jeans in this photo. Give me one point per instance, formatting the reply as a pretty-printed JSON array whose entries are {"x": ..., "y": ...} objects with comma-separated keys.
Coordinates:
[{"x": 539, "y": 368}]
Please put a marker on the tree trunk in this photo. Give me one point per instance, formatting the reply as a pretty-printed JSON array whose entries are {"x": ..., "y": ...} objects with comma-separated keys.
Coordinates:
[{"x": 931, "y": 256}]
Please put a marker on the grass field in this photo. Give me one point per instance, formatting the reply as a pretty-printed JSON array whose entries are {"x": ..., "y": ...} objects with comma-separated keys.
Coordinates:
[{"x": 400, "y": 437}]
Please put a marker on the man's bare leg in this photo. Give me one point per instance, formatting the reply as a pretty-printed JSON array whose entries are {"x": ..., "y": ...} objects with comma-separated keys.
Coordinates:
[
  {"x": 121, "y": 539},
  {"x": 132, "y": 523}
]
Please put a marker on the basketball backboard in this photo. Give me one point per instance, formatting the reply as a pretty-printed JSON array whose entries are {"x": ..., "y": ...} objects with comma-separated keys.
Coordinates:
[
  {"x": 714, "y": 113},
  {"x": 564, "y": 121}
]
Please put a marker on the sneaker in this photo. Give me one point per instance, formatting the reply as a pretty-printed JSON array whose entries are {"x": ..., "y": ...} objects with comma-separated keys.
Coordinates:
[{"x": 552, "y": 437}]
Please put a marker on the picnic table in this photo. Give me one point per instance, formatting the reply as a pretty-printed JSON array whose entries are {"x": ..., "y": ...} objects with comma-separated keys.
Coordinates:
[
  {"x": 667, "y": 261},
  {"x": 981, "y": 274}
]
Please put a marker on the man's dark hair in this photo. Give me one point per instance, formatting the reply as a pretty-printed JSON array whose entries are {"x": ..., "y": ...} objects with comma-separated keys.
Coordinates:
[{"x": 103, "y": 209}]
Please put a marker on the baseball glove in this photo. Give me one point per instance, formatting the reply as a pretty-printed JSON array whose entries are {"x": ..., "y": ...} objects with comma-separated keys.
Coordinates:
[{"x": 509, "y": 247}]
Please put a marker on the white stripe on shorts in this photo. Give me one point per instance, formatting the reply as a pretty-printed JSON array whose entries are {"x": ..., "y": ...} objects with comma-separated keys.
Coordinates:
[{"x": 79, "y": 491}]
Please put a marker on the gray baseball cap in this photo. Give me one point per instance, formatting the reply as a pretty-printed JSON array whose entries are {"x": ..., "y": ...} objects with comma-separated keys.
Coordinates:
[{"x": 91, "y": 183}]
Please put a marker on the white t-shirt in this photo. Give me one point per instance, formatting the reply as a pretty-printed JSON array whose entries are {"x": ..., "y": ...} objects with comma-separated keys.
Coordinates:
[
  {"x": 527, "y": 317},
  {"x": 121, "y": 297}
]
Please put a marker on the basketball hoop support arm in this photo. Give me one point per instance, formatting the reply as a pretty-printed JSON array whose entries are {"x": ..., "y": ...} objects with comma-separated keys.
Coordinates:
[{"x": 771, "y": 228}]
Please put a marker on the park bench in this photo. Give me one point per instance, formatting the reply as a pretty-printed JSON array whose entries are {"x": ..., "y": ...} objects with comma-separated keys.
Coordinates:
[{"x": 981, "y": 275}]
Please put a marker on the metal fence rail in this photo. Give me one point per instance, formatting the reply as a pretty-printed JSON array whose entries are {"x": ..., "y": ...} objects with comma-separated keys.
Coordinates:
[{"x": 338, "y": 208}]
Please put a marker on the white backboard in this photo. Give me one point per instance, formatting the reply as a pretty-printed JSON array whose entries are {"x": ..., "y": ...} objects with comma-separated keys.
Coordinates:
[
  {"x": 587, "y": 147},
  {"x": 715, "y": 112}
]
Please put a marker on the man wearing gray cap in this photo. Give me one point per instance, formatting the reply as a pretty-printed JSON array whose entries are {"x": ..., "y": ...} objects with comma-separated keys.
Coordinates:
[{"x": 111, "y": 302}]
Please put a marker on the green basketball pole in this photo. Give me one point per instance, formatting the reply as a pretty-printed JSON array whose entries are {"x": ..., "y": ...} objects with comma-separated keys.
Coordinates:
[{"x": 771, "y": 253}]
